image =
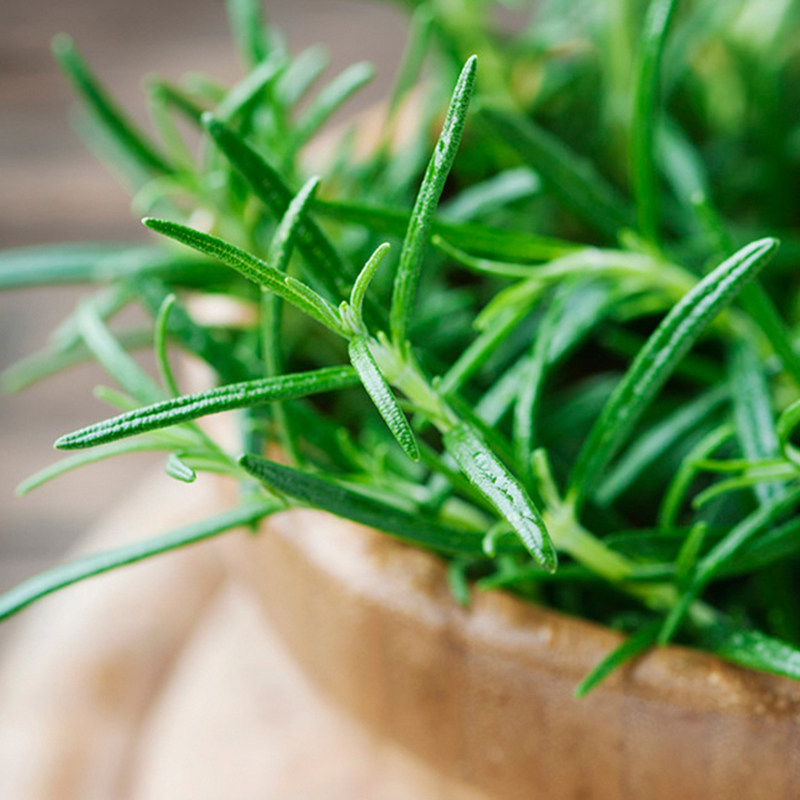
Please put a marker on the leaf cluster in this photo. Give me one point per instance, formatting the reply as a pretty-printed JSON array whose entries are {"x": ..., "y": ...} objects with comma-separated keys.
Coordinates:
[{"x": 548, "y": 334}]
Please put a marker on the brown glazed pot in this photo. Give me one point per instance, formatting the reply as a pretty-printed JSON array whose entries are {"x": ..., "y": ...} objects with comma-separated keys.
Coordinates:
[{"x": 484, "y": 695}]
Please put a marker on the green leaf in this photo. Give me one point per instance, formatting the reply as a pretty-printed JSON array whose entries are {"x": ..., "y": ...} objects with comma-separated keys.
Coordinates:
[
  {"x": 192, "y": 406},
  {"x": 160, "y": 343},
  {"x": 480, "y": 349},
  {"x": 78, "y": 460},
  {"x": 733, "y": 541},
  {"x": 301, "y": 74},
  {"x": 686, "y": 560},
  {"x": 754, "y": 650},
  {"x": 658, "y": 358},
  {"x": 178, "y": 470},
  {"x": 115, "y": 122},
  {"x": 645, "y": 116},
  {"x": 330, "y": 99},
  {"x": 177, "y": 99},
  {"x": 381, "y": 395},
  {"x": 280, "y": 248},
  {"x": 248, "y": 91},
  {"x": 364, "y": 279},
  {"x": 759, "y": 305},
  {"x": 47, "y": 362},
  {"x": 203, "y": 342},
  {"x": 530, "y": 386},
  {"x": 571, "y": 179},
  {"x": 488, "y": 474},
  {"x": 458, "y": 583},
  {"x": 55, "y": 263},
  {"x": 500, "y": 243},
  {"x": 113, "y": 358},
  {"x": 321, "y": 257},
  {"x": 495, "y": 193},
  {"x": 47, "y": 582},
  {"x": 247, "y": 24},
  {"x": 752, "y": 412},
  {"x": 724, "y": 552},
  {"x": 253, "y": 268},
  {"x": 656, "y": 441},
  {"x": 635, "y": 645},
  {"x": 419, "y": 227},
  {"x": 678, "y": 487},
  {"x": 312, "y": 490}
]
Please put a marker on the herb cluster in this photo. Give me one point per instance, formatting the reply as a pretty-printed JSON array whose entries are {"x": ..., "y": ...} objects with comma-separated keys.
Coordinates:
[{"x": 527, "y": 334}]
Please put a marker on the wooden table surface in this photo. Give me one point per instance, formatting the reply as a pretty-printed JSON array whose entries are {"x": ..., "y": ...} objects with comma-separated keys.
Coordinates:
[{"x": 52, "y": 189}]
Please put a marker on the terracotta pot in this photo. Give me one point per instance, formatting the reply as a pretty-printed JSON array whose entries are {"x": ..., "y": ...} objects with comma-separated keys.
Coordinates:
[{"x": 485, "y": 695}]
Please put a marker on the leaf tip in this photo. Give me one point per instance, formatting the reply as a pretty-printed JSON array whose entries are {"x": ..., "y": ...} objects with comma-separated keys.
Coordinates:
[
  {"x": 62, "y": 45},
  {"x": 548, "y": 557},
  {"x": 210, "y": 122}
]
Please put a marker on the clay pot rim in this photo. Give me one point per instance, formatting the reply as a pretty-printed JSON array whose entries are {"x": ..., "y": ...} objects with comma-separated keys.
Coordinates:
[{"x": 400, "y": 578}]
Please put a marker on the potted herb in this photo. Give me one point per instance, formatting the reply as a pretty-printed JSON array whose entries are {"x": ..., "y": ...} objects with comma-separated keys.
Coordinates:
[{"x": 531, "y": 336}]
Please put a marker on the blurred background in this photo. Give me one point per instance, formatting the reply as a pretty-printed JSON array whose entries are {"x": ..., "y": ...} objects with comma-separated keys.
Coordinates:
[{"x": 52, "y": 190}]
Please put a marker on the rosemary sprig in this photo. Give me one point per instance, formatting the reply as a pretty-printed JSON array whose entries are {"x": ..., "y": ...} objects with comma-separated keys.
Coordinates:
[{"x": 558, "y": 397}]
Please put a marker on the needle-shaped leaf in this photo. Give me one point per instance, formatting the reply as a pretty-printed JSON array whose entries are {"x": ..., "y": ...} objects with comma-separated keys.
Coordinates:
[
  {"x": 491, "y": 477},
  {"x": 635, "y": 645},
  {"x": 530, "y": 386},
  {"x": 331, "y": 98},
  {"x": 572, "y": 179},
  {"x": 192, "y": 406},
  {"x": 54, "y": 264},
  {"x": 499, "y": 191},
  {"x": 381, "y": 394},
  {"x": 419, "y": 226},
  {"x": 178, "y": 470},
  {"x": 78, "y": 460},
  {"x": 301, "y": 74},
  {"x": 752, "y": 412},
  {"x": 247, "y": 24},
  {"x": 322, "y": 259},
  {"x": 645, "y": 117},
  {"x": 319, "y": 492},
  {"x": 500, "y": 243},
  {"x": 364, "y": 279},
  {"x": 245, "y": 93},
  {"x": 113, "y": 357},
  {"x": 48, "y": 582},
  {"x": 659, "y": 439},
  {"x": 160, "y": 345},
  {"x": 755, "y": 650},
  {"x": 651, "y": 368},
  {"x": 280, "y": 248},
  {"x": 678, "y": 487},
  {"x": 724, "y": 552},
  {"x": 205, "y": 343},
  {"x": 49, "y": 361},
  {"x": 117, "y": 124},
  {"x": 253, "y": 268}
]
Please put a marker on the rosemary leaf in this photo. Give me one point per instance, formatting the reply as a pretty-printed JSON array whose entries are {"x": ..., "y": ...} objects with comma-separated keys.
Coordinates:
[
  {"x": 655, "y": 361},
  {"x": 381, "y": 395},
  {"x": 113, "y": 120},
  {"x": 193, "y": 406},
  {"x": 253, "y": 268},
  {"x": 419, "y": 226},
  {"x": 645, "y": 117},
  {"x": 488, "y": 474},
  {"x": 58, "y": 578},
  {"x": 635, "y": 644},
  {"x": 319, "y": 492}
]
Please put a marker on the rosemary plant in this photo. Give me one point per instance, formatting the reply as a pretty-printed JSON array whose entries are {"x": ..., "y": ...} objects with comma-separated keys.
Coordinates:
[{"x": 528, "y": 335}]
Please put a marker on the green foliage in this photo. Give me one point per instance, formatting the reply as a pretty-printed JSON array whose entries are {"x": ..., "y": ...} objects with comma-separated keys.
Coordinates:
[{"x": 574, "y": 404}]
